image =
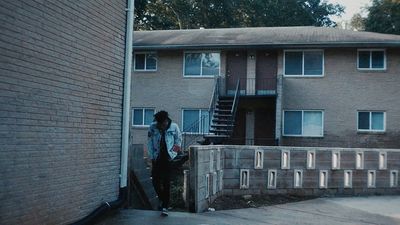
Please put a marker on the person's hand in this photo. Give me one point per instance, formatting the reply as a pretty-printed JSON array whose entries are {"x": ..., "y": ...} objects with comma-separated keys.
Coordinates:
[{"x": 176, "y": 148}]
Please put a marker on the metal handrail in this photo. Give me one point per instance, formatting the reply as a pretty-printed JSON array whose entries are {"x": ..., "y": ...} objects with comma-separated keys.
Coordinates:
[
  {"x": 213, "y": 101},
  {"x": 195, "y": 135},
  {"x": 235, "y": 99},
  {"x": 235, "y": 103}
]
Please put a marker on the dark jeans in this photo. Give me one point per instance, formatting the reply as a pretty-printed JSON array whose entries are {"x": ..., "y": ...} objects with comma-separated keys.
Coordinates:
[{"x": 161, "y": 180}]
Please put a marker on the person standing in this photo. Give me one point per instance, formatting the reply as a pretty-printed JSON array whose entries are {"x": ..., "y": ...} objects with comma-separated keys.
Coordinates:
[{"x": 164, "y": 143}]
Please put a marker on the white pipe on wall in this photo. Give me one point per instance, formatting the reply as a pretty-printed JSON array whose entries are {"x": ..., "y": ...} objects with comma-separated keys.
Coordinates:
[{"x": 127, "y": 94}]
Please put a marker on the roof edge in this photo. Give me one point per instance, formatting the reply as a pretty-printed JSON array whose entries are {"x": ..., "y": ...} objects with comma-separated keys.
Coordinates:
[{"x": 270, "y": 46}]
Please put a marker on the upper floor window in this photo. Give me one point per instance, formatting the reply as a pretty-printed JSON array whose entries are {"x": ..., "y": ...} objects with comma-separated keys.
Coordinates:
[
  {"x": 371, "y": 121},
  {"x": 145, "y": 61},
  {"x": 305, "y": 123},
  {"x": 374, "y": 59},
  {"x": 201, "y": 64},
  {"x": 304, "y": 63},
  {"x": 142, "y": 116},
  {"x": 195, "y": 120}
]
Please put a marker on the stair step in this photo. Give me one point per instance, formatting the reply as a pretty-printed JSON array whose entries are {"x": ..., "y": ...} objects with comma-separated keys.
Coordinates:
[
  {"x": 223, "y": 107},
  {"x": 222, "y": 125},
  {"x": 223, "y": 110},
  {"x": 216, "y": 116},
  {"x": 225, "y": 97},
  {"x": 215, "y": 136},
  {"x": 213, "y": 131}
]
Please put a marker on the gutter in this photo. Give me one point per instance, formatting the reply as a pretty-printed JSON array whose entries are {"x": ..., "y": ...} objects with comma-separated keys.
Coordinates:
[
  {"x": 269, "y": 46},
  {"x": 123, "y": 190}
]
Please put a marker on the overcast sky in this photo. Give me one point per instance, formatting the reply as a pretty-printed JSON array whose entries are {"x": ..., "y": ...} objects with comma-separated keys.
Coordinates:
[{"x": 352, "y": 7}]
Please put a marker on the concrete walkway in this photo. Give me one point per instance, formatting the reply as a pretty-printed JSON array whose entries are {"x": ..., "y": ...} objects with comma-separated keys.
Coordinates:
[{"x": 351, "y": 210}]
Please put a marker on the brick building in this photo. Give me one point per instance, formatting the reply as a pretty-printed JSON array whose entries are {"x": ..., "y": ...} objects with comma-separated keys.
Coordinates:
[
  {"x": 61, "y": 94},
  {"x": 299, "y": 86}
]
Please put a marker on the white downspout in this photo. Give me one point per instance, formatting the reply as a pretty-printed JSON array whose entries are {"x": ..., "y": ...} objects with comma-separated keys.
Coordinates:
[{"x": 127, "y": 94}]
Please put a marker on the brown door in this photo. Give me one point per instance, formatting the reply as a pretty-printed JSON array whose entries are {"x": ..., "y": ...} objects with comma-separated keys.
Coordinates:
[
  {"x": 266, "y": 70},
  {"x": 236, "y": 68}
]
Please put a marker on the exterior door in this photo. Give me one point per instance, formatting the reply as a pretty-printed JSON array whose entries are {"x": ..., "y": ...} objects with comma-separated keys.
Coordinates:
[
  {"x": 236, "y": 68},
  {"x": 266, "y": 70}
]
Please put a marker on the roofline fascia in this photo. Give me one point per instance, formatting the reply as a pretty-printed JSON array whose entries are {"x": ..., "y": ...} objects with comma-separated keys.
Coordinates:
[{"x": 268, "y": 46}]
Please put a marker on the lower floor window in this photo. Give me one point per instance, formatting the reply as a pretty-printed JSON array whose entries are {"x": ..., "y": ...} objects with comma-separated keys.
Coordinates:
[
  {"x": 142, "y": 116},
  {"x": 303, "y": 123},
  {"x": 195, "y": 120},
  {"x": 371, "y": 121}
]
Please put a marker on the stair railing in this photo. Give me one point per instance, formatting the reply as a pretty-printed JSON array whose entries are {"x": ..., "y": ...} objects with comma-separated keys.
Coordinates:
[
  {"x": 214, "y": 100},
  {"x": 196, "y": 131},
  {"x": 235, "y": 103}
]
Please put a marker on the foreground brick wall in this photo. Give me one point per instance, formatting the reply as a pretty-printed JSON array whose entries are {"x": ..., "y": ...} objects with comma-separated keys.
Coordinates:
[
  {"x": 61, "y": 107},
  {"x": 242, "y": 173}
]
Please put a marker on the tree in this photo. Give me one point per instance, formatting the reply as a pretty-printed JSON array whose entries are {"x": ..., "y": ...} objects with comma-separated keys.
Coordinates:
[
  {"x": 384, "y": 17},
  {"x": 357, "y": 22},
  {"x": 187, "y": 14}
]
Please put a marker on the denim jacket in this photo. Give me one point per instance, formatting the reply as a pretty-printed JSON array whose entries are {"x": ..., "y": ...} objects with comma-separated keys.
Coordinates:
[{"x": 173, "y": 137}]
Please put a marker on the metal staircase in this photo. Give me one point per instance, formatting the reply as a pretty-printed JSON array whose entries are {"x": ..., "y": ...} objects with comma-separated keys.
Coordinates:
[
  {"x": 222, "y": 115},
  {"x": 218, "y": 125}
]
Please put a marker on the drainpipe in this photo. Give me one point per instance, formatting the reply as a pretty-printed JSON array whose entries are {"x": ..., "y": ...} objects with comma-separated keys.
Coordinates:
[
  {"x": 108, "y": 206},
  {"x": 127, "y": 94}
]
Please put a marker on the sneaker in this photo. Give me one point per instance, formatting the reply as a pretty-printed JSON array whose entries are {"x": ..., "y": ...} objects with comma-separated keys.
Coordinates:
[{"x": 164, "y": 212}]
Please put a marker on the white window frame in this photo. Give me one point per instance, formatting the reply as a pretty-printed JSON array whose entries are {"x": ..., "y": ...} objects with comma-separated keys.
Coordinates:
[
  {"x": 370, "y": 58},
  {"x": 201, "y": 68},
  {"x": 304, "y": 50},
  {"x": 199, "y": 119},
  {"x": 143, "y": 114},
  {"x": 145, "y": 62},
  {"x": 370, "y": 122},
  {"x": 302, "y": 119}
]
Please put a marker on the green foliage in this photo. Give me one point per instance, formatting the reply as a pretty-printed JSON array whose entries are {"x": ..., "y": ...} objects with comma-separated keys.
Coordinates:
[
  {"x": 357, "y": 22},
  {"x": 191, "y": 14},
  {"x": 384, "y": 17}
]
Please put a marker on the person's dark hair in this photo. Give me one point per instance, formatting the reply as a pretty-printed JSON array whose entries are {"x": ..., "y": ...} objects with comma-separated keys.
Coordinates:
[{"x": 161, "y": 116}]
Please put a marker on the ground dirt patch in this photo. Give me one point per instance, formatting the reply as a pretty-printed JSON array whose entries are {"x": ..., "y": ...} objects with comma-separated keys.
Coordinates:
[{"x": 254, "y": 201}]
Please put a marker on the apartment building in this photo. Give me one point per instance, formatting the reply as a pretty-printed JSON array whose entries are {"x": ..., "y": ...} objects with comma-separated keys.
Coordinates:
[{"x": 294, "y": 86}]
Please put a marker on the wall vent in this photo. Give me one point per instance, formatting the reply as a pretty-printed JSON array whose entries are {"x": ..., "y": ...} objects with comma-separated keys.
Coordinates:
[
  {"x": 285, "y": 160},
  {"x": 348, "y": 179},
  {"x": 244, "y": 178},
  {"x": 335, "y": 160},
  {"x": 298, "y": 178},
  {"x": 258, "y": 159},
  {"x": 311, "y": 160},
  {"x": 371, "y": 178},
  {"x": 359, "y": 160},
  {"x": 323, "y": 179},
  {"x": 272, "y": 176}
]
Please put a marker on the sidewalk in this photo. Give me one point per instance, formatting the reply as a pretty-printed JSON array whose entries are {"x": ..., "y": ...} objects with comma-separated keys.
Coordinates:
[{"x": 351, "y": 210}]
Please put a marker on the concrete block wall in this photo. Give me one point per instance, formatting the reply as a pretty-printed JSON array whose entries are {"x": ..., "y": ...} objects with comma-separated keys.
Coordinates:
[
  {"x": 141, "y": 194},
  {"x": 205, "y": 178},
  {"x": 248, "y": 170},
  {"x": 61, "y": 81}
]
